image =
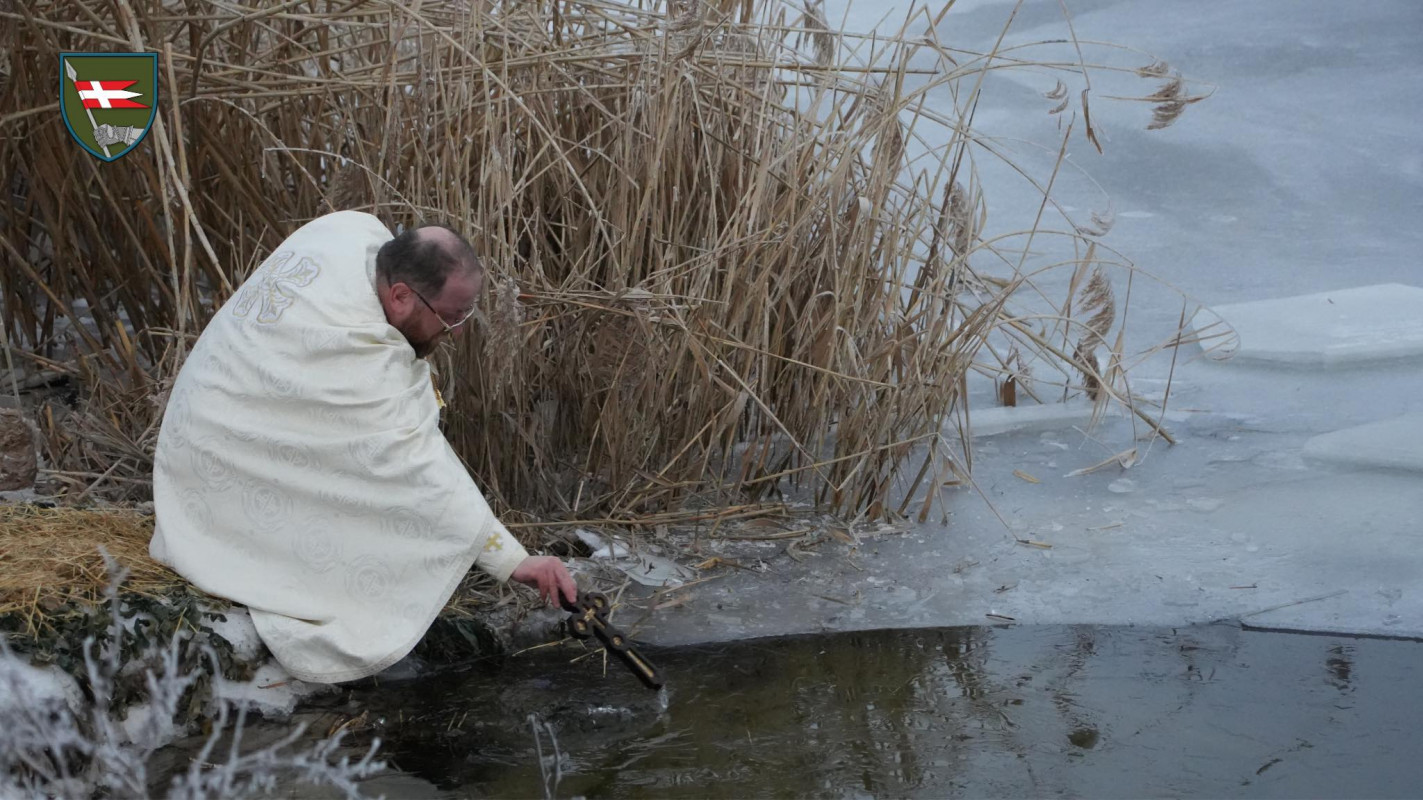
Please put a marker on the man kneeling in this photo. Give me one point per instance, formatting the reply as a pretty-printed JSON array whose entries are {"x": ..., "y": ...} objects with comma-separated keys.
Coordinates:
[{"x": 300, "y": 469}]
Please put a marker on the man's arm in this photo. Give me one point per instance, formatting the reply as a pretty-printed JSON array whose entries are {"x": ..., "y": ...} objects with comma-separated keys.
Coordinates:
[{"x": 505, "y": 559}]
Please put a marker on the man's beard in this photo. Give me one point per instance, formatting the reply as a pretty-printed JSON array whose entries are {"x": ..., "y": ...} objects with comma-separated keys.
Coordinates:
[{"x": 425, "y": 348}]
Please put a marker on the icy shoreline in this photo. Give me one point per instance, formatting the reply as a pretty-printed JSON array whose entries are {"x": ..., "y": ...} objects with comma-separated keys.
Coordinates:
[{"x": 1293, "y": 497}]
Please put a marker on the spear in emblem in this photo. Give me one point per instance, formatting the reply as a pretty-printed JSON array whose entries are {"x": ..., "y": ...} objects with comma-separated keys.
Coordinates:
[{"x": 74, "y": 79}]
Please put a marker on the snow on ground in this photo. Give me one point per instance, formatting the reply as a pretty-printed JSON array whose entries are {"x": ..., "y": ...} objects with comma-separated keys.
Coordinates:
[
  {"x": 271, "y": 690},
  {"x": 1286, "y": 502}
]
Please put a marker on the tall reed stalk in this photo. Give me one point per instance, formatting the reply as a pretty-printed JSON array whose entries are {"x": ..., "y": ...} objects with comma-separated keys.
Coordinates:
[{"x": 714, "y": 271}]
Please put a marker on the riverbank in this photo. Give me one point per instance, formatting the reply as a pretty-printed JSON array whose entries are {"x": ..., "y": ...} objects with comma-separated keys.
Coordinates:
[{"x": 1292, "y": 497}]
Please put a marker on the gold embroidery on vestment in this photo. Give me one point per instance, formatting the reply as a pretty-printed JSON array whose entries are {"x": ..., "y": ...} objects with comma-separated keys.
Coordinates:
[{"x": 439, "y": 397}]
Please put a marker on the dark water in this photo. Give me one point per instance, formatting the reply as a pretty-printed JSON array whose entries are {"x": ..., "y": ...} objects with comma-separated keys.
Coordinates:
[{"x": 1041, "y": 711}]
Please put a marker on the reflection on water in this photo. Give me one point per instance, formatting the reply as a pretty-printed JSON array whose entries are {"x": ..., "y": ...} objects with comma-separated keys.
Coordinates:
[
  {"x": 1116, "y": 712},
  {"x": 1341, "y": 666}
]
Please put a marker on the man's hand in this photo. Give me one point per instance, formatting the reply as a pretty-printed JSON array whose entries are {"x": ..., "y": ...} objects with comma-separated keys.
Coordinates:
[{"x": 549, "y": 576}]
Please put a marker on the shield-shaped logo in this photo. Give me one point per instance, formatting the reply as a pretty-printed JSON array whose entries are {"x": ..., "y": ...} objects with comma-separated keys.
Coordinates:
[{"x": 108, "y": 100}]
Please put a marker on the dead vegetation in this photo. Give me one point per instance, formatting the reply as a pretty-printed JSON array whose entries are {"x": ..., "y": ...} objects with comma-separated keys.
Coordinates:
[
  {"x": 732, "y": 250},
  {"x": 45, "y": 567}
]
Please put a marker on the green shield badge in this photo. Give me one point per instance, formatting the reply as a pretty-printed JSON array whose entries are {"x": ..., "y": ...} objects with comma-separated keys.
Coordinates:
[{"x": 108, "y": 100}]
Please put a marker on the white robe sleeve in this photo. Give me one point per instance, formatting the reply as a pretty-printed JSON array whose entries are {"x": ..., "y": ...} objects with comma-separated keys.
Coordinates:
[{"x": 501, "y": 553}]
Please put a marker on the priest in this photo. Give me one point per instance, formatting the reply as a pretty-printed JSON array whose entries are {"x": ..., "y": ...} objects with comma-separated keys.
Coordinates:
[{"x": 300, "y": 468}]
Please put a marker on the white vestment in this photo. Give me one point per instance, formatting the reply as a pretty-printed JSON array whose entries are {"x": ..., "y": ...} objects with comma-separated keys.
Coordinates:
[{"x": 301, "y": 471}]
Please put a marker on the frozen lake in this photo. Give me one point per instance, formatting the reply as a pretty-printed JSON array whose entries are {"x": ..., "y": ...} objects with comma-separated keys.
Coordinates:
[{"x": 1294, "y": 497}]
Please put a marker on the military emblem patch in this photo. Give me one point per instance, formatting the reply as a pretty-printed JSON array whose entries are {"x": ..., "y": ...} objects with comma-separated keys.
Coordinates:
[{"x": 108, "y": 100}]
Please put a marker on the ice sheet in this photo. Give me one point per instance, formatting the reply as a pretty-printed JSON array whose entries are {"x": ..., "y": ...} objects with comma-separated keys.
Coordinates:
[
  {"x": 1388, "y": 444},
  {"x": 995, "y": 420},
  {"x": 1328, "y": 329}
]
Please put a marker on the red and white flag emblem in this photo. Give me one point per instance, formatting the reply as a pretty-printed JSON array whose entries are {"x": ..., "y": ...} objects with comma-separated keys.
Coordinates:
[{"x": 107, "y": 94}]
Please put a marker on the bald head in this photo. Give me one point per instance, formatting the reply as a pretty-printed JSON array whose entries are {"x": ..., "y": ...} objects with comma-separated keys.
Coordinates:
[
  {"x": 449, "y": 242},
  {"x": 425, "y": 258}
]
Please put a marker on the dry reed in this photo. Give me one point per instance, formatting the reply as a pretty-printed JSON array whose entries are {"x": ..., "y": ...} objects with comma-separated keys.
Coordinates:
[
  {"x": 50, "y": 557},
  {"x": 716, "y": 274}
]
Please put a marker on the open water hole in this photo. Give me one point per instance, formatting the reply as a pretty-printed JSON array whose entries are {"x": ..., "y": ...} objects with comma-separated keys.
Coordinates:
[{"x": 1207, "y": 711}]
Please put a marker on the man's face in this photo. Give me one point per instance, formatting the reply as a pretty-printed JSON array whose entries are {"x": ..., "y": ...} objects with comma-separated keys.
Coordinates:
[{"x": 431, "y": 319}]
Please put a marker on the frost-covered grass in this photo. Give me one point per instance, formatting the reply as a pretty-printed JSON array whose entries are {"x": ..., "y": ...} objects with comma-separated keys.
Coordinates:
[{"x": 57, "y": 740}]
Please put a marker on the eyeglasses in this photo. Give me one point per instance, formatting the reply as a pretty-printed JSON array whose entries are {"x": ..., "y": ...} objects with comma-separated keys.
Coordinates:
[{"x": 449, "y": 329}]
